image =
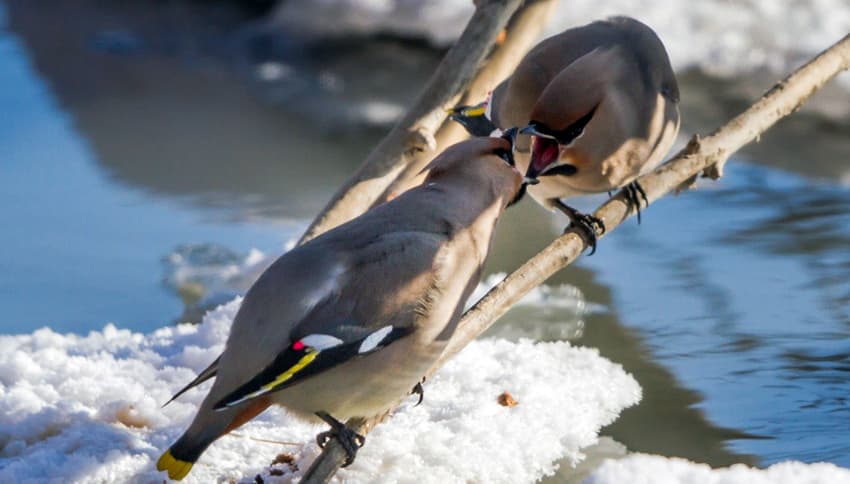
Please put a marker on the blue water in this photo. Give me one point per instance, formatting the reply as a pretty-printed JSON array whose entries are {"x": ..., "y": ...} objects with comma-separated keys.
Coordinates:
[
  {"x": 747, "y": 300},
  {"x": 78, "y": 249}
]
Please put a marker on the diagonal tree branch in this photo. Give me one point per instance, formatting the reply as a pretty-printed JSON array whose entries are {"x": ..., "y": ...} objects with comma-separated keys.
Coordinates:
[
  {"x": 705, "y": 156},
  {"x": 415, "y": 131},
  {"x": 702, "y": 155},
  {"x": 522, "y": 32}
]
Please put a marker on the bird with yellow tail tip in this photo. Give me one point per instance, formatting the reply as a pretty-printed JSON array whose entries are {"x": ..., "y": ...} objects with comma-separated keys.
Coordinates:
[{"x": 347, "y": 323}]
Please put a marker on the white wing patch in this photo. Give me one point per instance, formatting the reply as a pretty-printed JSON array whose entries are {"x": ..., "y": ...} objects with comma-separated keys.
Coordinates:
[
  {"x": 321, "y": 342},
  {"x": 373, "y": 340}
]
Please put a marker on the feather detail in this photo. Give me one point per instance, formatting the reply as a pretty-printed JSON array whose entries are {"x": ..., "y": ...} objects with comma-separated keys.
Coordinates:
[{"x": 306, "y": 357}]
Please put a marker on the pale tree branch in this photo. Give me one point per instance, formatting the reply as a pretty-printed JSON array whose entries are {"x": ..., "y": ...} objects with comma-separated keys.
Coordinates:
[
  {"x": 705, "y": 155},
  {"x": 522, "y": 32},
  {"x": 415, "y": 131}
]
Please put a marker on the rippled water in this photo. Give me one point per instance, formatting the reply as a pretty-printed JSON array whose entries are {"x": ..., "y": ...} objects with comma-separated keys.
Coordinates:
[
  {"x": 129, "y": 167},
  {"x": 747, "y": 301}
]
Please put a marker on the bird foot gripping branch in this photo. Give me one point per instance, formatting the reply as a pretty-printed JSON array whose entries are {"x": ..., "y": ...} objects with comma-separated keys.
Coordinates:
[
  {"x": 634, "y": 194},
  {"x": 599, "y": 105},
  {"x": 330, "y": 349},
  {"x": 589, "y": 226},
  {"x": 350, "y": 440}
]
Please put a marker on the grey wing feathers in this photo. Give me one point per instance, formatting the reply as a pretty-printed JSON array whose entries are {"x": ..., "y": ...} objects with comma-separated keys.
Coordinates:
[{"x": 346, "y": 286}]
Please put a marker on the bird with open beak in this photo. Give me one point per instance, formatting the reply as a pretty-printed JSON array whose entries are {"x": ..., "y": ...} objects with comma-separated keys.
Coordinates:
[
  {"x": 599, "y": 107},
  {"x": 346, "y": 324}
]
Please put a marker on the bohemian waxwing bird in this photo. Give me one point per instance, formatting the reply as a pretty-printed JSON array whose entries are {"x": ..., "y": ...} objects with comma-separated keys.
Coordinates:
[
  {"x": 600, "y": 103},
  {"x": 347, "y": 323}
]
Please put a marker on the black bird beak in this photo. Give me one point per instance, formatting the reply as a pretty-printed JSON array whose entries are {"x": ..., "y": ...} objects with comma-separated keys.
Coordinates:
[
  {"x": 510, "y": 135},
  {"x": 534, "y": 130},
  {"x": 508, "y": 155}
]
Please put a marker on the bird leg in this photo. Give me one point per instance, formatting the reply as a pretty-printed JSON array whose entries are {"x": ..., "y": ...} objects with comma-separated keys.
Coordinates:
[
  {"x": 350, "y": 440},
  {"x": 634, "y": 193},
  {"x": 418, "y": 390},
  {"x": 589, "y": 226}
]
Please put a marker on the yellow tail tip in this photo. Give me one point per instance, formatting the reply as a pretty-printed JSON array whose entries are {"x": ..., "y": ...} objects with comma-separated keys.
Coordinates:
[
  {"x": 177, "y": 469},
  {"x": 474, "y": 111}
]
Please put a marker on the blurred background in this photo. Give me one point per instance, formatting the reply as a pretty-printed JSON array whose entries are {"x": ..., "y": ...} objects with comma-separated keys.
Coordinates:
[{"x": 153, "y": 158}]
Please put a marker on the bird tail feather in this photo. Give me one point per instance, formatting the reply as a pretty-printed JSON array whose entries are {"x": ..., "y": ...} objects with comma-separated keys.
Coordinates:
[{"x": 176, "y": 468}]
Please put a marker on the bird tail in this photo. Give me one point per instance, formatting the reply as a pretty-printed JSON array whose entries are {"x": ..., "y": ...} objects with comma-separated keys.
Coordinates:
[
  {"x": 176, "y": 468},
  {"x": 181, "y": 456},
  {"x": 208, "y": 426}
]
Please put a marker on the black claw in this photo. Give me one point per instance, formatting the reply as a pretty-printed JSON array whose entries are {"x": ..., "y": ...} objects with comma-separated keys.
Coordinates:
[
  {"x": 634, "y": 193},
  {"x": 350, "y": 440},
  {"x": 642, "y": 192},
  {"x": 589, "y": 226},
  {"x": 417, "y": 389}
]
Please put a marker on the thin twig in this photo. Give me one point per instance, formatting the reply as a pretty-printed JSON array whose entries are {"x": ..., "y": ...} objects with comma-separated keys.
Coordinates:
[
  {"x": 702, "y": 155},
  {"x": 266, "y": 441}
]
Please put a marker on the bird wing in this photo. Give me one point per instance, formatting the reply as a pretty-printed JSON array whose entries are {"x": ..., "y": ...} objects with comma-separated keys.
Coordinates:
[
  {"x": 372, "y": 302},
  {"x": 309, "y": 356}
]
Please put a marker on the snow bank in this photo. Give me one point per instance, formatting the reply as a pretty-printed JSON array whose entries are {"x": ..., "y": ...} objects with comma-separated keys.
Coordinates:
[
  {"x": 652, "y": 469},
  {"x": 87, "y": 409},
  {"x": 718, "y": 36}
]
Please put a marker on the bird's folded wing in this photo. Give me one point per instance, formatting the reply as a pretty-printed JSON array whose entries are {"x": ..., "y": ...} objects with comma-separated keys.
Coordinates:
[{"x": 309, "y": 356}]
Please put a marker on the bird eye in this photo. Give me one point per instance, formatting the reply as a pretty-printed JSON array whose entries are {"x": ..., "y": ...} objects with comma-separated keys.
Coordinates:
[{"x": 573, "y": 131}]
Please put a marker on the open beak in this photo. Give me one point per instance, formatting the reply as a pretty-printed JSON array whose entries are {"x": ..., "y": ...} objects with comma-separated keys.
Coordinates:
[
  {"x": 510, "y": 135},
  {"x": 531, "y": 173},
  {"x": 545, "y": 150},
  {"x": 508, "y": 155}
]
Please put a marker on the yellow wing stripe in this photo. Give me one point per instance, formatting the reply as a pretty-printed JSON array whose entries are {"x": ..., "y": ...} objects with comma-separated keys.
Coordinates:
[
  {"x": 177, "y": 469},
  {"x": 304, "y": 361}
]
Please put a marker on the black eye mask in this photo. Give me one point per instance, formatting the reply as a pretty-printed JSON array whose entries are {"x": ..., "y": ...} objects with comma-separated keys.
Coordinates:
[
  {"x": 564, "y": 136},
  {"x": 562, "y": 170}
]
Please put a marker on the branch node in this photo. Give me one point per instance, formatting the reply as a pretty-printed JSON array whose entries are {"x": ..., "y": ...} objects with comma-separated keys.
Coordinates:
[
  {"x": 693, "y": 145},
  {"x": 715, "y": 169},
  {"x": 419, "y": 139}
]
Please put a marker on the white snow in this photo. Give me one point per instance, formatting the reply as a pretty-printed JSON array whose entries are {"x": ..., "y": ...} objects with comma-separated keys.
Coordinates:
[
  {"x": 653, "y": 469},
  {"x": 87, "y": 409},
  {"x": 721, "y": 37}
]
